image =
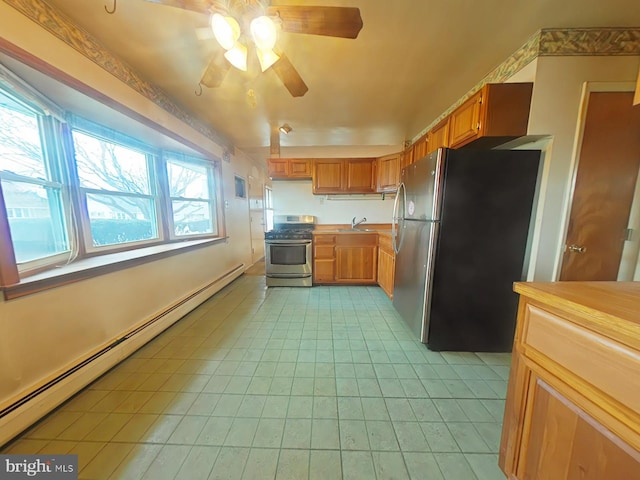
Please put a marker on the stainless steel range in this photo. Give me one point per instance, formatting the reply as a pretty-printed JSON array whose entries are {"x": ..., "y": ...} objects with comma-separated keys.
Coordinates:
[{"x": 288, "y": 251}]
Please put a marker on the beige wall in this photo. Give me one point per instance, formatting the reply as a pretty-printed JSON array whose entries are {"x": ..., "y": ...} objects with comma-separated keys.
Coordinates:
[
  {"x": 555, "y": 111},
  {"x": 44, "y": 334}
]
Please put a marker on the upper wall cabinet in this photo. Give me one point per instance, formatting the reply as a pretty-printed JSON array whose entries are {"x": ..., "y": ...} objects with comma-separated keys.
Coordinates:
[
  {"x": 438, "y": 136},
  {"x": 499, "y": 112},
  {"x": 420, "y": 147},
  {"x": 344, "y": 175},
  {"x": 289, "y": 168},
  {"x": 388, "y": 173}
]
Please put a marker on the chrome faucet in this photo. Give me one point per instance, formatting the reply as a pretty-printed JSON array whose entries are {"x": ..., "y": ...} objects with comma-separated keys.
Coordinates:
[{"x": 354, "y": 224}]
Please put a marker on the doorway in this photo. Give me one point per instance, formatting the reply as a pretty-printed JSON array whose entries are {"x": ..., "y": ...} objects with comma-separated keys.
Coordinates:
[{"x": 605, "y": 182}]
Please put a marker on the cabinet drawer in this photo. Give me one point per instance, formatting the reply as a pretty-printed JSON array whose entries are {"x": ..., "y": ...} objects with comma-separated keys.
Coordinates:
[
  {"x": 357, "y": 239},
  {"x": 324, "y": 239},
  {"x": 610, "y": 366}
]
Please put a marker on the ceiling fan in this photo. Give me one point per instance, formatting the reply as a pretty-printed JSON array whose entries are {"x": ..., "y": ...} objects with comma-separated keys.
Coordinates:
[{"x": 240, "y": 25}]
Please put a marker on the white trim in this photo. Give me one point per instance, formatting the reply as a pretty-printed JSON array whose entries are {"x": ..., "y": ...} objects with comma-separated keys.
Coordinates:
[{"x": 587, "y": 89}]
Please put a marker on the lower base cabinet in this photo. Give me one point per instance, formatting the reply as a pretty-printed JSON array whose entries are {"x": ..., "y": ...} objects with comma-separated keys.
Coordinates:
[
  {"x": 345, "y": 259},
  {"x": 573, "y": 402}
]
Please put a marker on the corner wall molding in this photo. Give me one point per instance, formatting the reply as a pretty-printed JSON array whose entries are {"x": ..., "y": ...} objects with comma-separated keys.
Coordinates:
[
  {"x": 555, "y": 42},
  {"x": 87, "y": 45}
]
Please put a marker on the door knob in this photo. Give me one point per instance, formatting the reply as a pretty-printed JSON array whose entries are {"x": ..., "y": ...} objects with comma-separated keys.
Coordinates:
[{"x": 576, "y": 249}]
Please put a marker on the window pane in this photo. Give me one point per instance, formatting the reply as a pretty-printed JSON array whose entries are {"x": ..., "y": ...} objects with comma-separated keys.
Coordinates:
[
  {"x": 192, "y": 217},
  {"x": 117, "y": 219},
  {"x": 36, "y": 220},
  {"x": 106, "y": 166},
  {"x": 20, "y": 147},
  {"x": 188, "y": 180}
]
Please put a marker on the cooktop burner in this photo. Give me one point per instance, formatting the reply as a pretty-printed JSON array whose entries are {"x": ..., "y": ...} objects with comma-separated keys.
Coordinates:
[
  {"x": 291, "y": 227},
  {"x": 288, "y": 234}
]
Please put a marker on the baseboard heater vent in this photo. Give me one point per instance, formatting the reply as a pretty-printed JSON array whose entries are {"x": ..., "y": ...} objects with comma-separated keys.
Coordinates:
[{"x": 40, "y": 390}]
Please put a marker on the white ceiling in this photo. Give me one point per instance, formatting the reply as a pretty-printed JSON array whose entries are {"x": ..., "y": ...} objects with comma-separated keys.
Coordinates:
[{"x": 410, "y": 62}]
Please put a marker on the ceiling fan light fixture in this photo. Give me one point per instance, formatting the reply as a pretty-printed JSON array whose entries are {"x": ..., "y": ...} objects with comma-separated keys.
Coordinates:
[
  {"x": 267, "y": 58},
  {"x": 285, "y": 128},
  {"x": 226, "y": 30},
  {"x": 237, "y": 56},
  {"x": 263, "y": 31}
]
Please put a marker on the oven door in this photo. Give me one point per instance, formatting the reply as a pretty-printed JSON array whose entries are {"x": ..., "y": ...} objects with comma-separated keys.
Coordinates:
[{"x": 288, "y": 258}]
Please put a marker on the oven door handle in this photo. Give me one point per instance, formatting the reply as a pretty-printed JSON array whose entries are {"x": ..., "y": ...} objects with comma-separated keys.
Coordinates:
[{"x": 288, "y": 243}]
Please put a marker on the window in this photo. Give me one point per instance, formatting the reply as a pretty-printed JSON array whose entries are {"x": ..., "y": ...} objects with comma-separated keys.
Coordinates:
[
  {"x": 117, "y": 192},
  {"x": 31, "y": 185},
  {"x": 73, "y": 188},
  {"x": 192, "y": 197}
]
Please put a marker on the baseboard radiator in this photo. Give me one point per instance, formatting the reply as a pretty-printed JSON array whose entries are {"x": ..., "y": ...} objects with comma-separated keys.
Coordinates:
[{"x": 23, "y": 413}]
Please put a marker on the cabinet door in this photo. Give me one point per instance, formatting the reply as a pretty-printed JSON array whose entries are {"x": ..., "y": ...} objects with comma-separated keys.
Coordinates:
[
  {"x": 278, "y": 167},
  {"x": 386, "y": 270},
  {"x": 465, "y": 120},
  {"x": 420, "y": 147},
  {"x": 299, "y": 168},
  {"x": 327, "y": 176},
  {"x": 356, "y": 264},
  {"x": 565, "y": 442},
  {"x": 438, "y": 136},
  {"x": 388, "y": 173},
  {"x": 360, "y": 175},
  {"x": 406, "y": 158}
]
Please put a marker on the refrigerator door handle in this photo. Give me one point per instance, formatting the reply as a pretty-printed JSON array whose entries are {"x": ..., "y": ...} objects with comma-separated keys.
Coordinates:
[{"x": 396, "y": 219}]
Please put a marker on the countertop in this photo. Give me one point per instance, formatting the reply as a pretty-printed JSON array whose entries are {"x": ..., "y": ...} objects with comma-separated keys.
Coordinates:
[{"x": 611, "y": 308}]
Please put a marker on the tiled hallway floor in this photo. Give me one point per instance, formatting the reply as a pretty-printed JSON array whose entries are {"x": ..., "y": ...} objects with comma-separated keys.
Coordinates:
[{"x": 322, "y": 383}]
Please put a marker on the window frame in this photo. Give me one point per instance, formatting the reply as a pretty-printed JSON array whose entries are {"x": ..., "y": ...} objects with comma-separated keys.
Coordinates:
[
  {"x": 54, "y": 165},
  {"x": 83, "y": 260},
  {"x": 214, "y": 186}
]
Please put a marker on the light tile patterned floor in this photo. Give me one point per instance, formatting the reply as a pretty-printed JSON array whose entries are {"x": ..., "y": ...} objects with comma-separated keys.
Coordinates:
[{"x": 287, "y": 383}]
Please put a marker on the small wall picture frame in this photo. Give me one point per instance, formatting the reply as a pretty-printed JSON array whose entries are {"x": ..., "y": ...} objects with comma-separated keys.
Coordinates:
[{"x": 240, "y": 186}]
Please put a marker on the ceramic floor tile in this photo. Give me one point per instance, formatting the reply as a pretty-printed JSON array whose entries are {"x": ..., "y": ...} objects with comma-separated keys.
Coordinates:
[
  {"x": 105, "y": 461},
  {"x": 325, "y": 465},
  {"x": 293, "y": 465},
  {"x": 411, "y": 437},
  {"x": 389, "y": 466},
  {"x": 241, "y": 432},
  {"x": 423, "y": 466},
  {"x": 454, "y": 466},
  {"x": 374, "y": 408},
  {"x": 353, "y": 435},
  {"x": 381, "y": 436},
  {"x": 297, "y": 433},
  {"x": 136, "y": 463},
  {"x": 485, "y": 466},
  {"x": 230, "y": 463},
  {"x": 261, "y": 464},
  {"x": 468, "y": 438},
  {"x": 269, "y": 433},
  {"x": 325, "y": 434},
  {"x": 214, "y": 431},
  {"x": 357, "y": 466},
  {"x": 439, "y": 437}
]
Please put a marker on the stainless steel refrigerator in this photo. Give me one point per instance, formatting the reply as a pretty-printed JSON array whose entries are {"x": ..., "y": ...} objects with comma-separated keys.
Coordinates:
[{"x": 460, "y": 230}]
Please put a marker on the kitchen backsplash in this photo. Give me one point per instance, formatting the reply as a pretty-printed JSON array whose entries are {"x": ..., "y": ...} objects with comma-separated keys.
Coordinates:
[{"x": 295, "y": 198}]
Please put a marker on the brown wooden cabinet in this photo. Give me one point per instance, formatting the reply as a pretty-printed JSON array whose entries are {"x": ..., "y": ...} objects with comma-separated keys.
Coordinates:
[
  {"x": 420, "y": 147},
  {"x": 573, "y": 408},
  {"x": 499, "y": 112},
  {"x": 289, "y": 168},
  {"x": 438, "y": 136},
  {"x": 357, "y": 258},
  {"x": 388, "y": 173},
  {"x": 344, "y": 175},
  {"x": 406, "y": 157},
  {"x": 386, "y": 264},
  {"x": 324, "y": 258},
  {"x": 345, "y": 258}
]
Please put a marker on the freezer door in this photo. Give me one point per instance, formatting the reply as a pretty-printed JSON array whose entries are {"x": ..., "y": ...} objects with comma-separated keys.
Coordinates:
[
  {"x": 413, "y": 264},
  {"x": 420, "y": 180}
]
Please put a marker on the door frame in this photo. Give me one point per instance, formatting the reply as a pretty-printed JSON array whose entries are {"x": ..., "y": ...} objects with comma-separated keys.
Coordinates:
[{"x": 587, "y": 89}]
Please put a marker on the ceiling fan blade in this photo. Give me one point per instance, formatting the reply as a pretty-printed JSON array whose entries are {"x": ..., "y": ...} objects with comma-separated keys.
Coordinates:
[
  {"x": 200, "y": 6},
  {"x": 216, "y": 70},
  {"x": 344, "y": 22},
  {"x": 289, "y": 76}
]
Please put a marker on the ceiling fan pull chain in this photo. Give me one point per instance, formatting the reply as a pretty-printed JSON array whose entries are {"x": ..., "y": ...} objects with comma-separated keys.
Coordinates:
[
  {"x": 113, "y": 10},
  {"x": 198, "y": 92}
]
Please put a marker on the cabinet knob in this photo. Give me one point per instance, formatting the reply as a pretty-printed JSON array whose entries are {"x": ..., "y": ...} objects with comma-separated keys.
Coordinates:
[{"x": 577, "y": 249}]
